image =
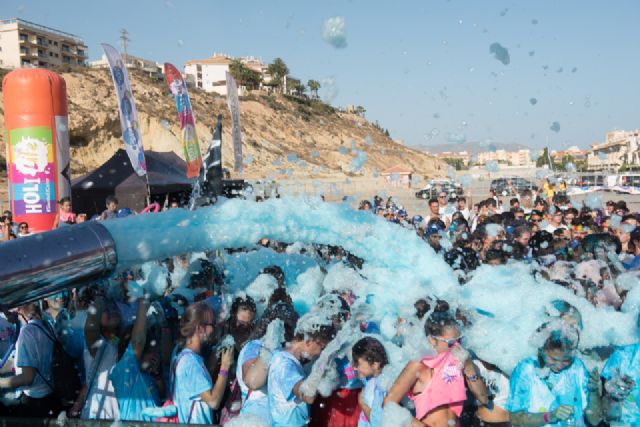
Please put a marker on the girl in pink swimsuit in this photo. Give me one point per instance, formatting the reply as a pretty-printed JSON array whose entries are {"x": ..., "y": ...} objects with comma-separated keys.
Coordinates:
[
  {"x": 436, "y": 384},
  {"x": 65, "y": 215}
]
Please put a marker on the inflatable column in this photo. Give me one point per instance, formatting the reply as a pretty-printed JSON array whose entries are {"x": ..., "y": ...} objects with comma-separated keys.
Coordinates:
[{"x": 35, "y": 116}]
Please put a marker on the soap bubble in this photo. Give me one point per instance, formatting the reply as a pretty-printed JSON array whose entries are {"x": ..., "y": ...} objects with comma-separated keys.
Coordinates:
[
  {"x": 333, "y": 32},
  {"x": 555, "y": 126},
  {"x": 500, "y": 53},
  {"x": 533, "y": 101},
  {"x": 492, "y": 166}
]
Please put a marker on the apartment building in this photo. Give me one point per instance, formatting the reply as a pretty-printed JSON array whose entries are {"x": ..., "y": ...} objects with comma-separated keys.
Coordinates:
[
  {"x": 513, "y": 158},
  {"x": 153, "y": 68},
  {"x": 210, "y": 74},
  {"x": 27, "y": 44},
  {"x": 620, "y": 148}
]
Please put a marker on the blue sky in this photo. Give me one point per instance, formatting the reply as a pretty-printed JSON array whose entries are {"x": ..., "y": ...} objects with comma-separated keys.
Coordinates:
[{"x": 421, "y": 68}]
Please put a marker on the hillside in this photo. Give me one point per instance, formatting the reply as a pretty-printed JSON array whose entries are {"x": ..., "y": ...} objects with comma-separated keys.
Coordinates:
[{"x": 282, "y": 136}]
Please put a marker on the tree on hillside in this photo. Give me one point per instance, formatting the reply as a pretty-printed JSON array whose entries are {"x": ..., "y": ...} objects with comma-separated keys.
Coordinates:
[
  {"x": 360, "y": 110},
  {"x": 299, "y": 88},
  {"x": 244, "y": 75},
  {"x": 278, "y": 71},
  {"x": 314, "y": 85}
]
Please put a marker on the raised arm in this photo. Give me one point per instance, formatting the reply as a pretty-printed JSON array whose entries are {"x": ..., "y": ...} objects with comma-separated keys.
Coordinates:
[
  {"x": 254, "y": 373},
  {"x": 92, "y": 324},
  {"x": 403, "y": 384},
  {"x": 213, "y": 397},
  {"x": 139, "y": 332}
]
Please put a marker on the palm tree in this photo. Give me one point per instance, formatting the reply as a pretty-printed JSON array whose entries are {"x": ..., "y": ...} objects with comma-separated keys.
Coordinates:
[
  {"x": 278, "y": 71},
  {"x": 314, "y": 85},
  {"x": 360, "y": 110}
]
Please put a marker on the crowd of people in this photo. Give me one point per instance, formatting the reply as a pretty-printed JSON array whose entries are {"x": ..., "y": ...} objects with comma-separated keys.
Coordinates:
[{"x": 195, "y": 354}]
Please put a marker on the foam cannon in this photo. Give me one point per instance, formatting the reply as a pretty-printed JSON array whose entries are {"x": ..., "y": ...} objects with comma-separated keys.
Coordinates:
[{"x": 34, "y": 267}]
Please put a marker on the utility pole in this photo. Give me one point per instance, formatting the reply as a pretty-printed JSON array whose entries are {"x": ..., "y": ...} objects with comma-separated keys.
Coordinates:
[{"x": 124, "y": 40}]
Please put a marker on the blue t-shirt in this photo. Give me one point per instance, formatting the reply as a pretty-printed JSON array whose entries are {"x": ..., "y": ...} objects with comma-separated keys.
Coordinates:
[
  {"x": 373, "y": 397},
  {"x": 34, "y": 349},
  {"x": 192, "y": 379},
  {"x": 134, "y": 389},
  {"x": 626, "y": 361},
  {"x": 285, "y": 371},
  {"x": 530, "y": 392},
  {"x": 255, "y": 403}
]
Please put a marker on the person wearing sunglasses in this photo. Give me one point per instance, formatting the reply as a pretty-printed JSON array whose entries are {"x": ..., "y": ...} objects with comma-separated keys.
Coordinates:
[
  {"x": 554, "y": 388},
  {"x": 23, "y": 230},
  {"x": 437, "y": 384}
]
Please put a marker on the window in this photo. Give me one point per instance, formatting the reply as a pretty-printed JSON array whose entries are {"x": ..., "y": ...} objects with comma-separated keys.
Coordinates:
[
  {"x": 51, "y": 54},
  {"x": 55, "y": 43}
]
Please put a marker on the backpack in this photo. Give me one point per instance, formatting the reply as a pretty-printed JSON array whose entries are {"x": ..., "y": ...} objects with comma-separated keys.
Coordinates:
[{"x": 64, "y": 369}]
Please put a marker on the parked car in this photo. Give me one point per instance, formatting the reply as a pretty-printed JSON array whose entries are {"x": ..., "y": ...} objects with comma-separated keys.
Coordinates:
[
  {"x": 502, "y": 187},
  {"x": 436, "y": 186}
]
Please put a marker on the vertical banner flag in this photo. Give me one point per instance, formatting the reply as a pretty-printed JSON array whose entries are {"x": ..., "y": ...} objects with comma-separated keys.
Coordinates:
[
  {"x": 190, "y": 145},
  {"x": 128, "y": 113},
  {"x": 234, "y": 108},
  {"x": 35, "y": 116}
]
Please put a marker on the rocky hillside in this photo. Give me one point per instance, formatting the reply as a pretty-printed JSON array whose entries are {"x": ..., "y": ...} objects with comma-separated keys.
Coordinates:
[{"x": 282, "y": 136}]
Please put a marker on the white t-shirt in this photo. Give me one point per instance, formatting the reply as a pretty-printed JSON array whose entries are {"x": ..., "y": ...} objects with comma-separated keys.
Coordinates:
[
  {"x": 551, "y": 228},
  {"x": 101, "y": 403},
  {"x": 497, "y": 384},
  {"x": 34, "y": 349}
]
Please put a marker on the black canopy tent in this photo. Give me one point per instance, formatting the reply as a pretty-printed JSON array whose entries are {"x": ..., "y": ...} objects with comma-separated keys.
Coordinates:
[{"x": 166, "y": 174}]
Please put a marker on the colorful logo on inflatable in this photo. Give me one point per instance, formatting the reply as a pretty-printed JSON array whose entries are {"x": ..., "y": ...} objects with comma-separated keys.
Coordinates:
[{"x": 33, "y": 172}]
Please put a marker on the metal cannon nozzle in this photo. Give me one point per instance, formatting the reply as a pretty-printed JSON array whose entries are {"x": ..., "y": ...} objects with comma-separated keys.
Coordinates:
[{"x": 36, "y": 266}]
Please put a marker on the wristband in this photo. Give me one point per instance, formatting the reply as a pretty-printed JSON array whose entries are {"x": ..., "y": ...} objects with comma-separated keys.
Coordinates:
[
  {"x": 223, "y": 373},
  {"x": 546, "y": 417}
]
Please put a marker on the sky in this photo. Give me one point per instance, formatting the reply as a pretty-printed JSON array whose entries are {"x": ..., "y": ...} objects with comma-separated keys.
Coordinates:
[{"x": 423, "y": 69}]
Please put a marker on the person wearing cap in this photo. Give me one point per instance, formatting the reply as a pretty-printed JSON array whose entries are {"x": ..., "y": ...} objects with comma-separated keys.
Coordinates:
[{"x": 432, "y": 234}]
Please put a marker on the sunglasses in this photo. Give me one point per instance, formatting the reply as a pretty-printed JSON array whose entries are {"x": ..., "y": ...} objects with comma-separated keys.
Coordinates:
[
  {"x": 24, "y": 227},
  {"x": 451, "y": 342}
]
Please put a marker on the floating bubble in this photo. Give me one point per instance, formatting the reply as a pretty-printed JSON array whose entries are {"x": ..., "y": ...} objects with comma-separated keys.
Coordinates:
[
  {"x": 465, "y": 180},
  {"x": 500, "y": 53},
  {"x": 555, "y": 126},
  {"x": 315, "y": 154},
  {"x": 165, "y": 124},
  {"x": 368, "y": 140},
  {"x": 571, "y": 167},
  {"x": 456, "y": 138},
  {"x": 276, "y": 162},
  {"x": 451, "y": 172},
  {"x": 533, "y": 101},
  {"x": 534, "y": 21},
  {"x": 333, "y": 32},
  {"x": 504, "y": 11},
  {"x": 358, "y": 162},
  {"x": 435, "y": 132},
  {"x": 532, "y": 52},
  {"x": 436, "y": 115},
  {"x": 560, "y": 70},
  {"x": 574, "y": 69},
  {"x": 492, "y": 166},
  {"x": 535, "y": 156},
  {"x": 587, "y": 102},
  {"x": 248, "y": 160},
  {"x": 330, "y": 89},
  {"x": 343, "y": 150},
  {"x": 180, "y": 43}
]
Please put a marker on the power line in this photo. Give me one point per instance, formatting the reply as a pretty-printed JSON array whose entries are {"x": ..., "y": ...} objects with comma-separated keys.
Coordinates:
[{"x": 124, "y": 40}]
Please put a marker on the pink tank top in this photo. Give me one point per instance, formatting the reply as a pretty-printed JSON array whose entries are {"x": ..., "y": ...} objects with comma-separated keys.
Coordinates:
[
  {"x": 67, "y": 216},
  {"x": 445, "y": 388}
]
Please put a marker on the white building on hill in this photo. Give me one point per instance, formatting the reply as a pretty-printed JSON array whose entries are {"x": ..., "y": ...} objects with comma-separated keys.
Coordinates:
[{"x": 209, "y": 74}]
